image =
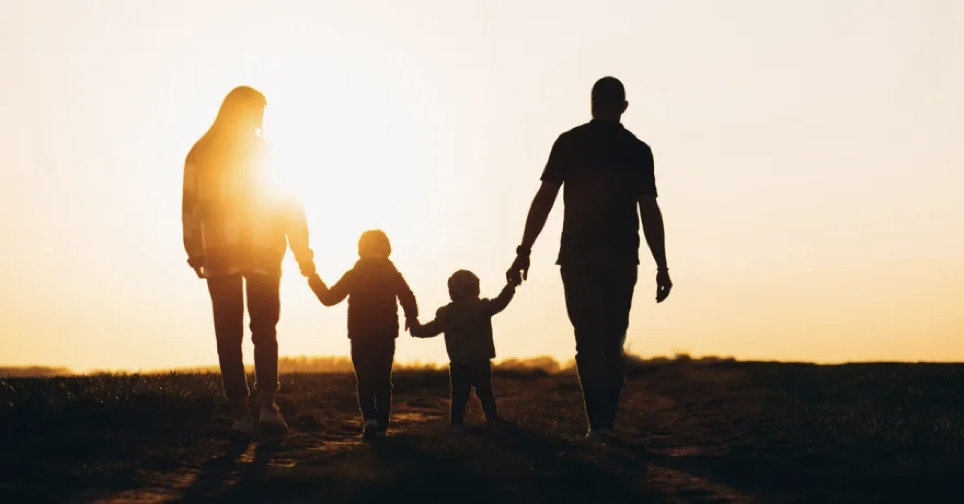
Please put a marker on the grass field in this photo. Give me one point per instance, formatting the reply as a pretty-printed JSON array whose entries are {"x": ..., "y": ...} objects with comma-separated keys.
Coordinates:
[{"x": 689, "y": 431}]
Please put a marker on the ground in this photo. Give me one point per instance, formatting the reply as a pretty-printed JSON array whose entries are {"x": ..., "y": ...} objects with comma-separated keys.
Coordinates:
[{"x": 688, "y": 432}]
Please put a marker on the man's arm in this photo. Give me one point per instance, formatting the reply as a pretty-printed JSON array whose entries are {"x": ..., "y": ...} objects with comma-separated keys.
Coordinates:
[
  {"x": 538, "y": 213},
  {"x": 653, "y": 230}
]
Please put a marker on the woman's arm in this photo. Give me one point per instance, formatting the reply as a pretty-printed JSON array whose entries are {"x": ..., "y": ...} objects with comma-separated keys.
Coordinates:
[
  {"x": 191, "y": 219},
  {"x": 296, "y": 230},
  {"x": 406, "y": 298}
]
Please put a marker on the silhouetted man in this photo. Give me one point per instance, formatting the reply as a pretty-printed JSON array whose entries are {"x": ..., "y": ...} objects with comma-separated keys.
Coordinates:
[{"x": 607, "y": 172}]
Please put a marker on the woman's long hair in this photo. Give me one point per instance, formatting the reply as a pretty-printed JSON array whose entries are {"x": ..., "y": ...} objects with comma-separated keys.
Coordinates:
[
  {"x": 229, "y": 155},
  {"x": 239, "y": 116}
]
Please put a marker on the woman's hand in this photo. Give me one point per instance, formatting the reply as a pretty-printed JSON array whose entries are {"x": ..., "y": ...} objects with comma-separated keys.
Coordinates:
[{"x": 197, "y": 264}]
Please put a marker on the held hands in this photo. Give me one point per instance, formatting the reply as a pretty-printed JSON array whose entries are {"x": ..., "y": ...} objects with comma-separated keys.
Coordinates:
[
  {"x": 307, "y": 268},
  {"x": 663, "y": 285},
  {"x": 513, "y": 282},
  {"x": 519, "y": 270},
  {"x": 316, "y": 283},
  {"x": 412, "y": 323}
]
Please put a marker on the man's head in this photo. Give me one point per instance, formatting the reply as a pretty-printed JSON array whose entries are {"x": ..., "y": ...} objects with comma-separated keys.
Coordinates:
[
  {"x": 608, "y": 99},
  {"x": 463, "y": 284}
]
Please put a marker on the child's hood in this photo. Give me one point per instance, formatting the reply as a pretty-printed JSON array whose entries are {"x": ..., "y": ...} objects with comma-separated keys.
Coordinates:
[
  {"x": 461, "y": 309},
  {"x": 375, "y": 265}
]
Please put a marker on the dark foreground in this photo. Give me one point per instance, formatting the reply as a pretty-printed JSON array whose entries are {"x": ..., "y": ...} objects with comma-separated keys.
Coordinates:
[{"x": 690, "y": 432}]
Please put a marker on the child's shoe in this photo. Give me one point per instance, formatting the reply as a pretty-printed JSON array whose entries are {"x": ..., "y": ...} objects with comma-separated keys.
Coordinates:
[
  {"x": 599, "y": 436},
  {"x": 242, "y": 417},
  {"x": 370, "y": 430},
  {"x": 243, "y": 426},
  {"x": 495, "y": 420}
]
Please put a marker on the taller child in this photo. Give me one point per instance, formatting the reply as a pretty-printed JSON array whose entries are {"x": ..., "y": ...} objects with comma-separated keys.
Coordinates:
[{"x": 372, "y": 287}]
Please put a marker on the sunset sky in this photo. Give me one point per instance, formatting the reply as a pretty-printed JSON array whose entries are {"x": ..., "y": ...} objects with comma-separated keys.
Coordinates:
[{"x": 809, "y": 161}]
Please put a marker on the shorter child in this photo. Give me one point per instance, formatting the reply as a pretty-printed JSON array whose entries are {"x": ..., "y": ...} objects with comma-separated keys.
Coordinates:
[
  {"x": 372, "y": 287},
  {"x": 467, "y": 324}
]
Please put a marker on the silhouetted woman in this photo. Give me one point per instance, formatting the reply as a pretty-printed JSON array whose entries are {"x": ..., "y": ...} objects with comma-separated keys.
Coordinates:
[{"x": 236, "y": 233}]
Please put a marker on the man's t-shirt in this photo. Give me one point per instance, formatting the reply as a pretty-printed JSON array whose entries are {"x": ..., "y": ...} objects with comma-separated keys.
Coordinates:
[{"x": 603, "y": 169}]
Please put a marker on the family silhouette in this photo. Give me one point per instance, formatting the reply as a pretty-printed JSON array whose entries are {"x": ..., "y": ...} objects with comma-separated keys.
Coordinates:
[{"x": 236, "y": 235}]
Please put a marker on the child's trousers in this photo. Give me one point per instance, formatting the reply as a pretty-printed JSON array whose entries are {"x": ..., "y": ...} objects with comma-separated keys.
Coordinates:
[
  {"x": 465, "y": 375},
  {"x": 372, "y": 359}
]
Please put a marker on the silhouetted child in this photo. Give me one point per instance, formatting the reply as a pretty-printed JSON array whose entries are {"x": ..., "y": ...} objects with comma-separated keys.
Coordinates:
[
  {"x": 372, "y": 287},
  {"x": 467, "y": 324}
]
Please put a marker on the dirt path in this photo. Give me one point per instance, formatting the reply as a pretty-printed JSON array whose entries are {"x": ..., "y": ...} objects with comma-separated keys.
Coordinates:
[
  {"x": 328, "y": 459},
  {"x": 223, "y": 465}
]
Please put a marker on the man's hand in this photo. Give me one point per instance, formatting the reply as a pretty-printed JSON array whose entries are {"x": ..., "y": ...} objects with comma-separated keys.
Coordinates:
[
  {"x": 663, "y": 285},
  {"x": 519, "y": 270}
]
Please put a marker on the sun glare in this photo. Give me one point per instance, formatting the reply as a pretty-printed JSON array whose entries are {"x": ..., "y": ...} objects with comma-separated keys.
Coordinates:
[{"x": 345, "y": 186}]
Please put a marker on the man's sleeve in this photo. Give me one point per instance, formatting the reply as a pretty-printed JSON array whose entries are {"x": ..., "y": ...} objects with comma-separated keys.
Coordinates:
[
  {"x": 559, "y": 161},
  {"x": 647, "y": 172}
]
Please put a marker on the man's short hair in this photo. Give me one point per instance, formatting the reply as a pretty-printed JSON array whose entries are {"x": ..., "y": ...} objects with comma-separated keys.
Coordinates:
[{"x": 608, "y": 92}]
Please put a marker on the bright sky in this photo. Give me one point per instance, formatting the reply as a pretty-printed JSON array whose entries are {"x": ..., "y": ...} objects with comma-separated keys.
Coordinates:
[{"x": 808, "y": 159}]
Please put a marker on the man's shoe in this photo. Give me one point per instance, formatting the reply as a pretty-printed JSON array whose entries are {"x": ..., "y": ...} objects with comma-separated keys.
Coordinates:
[
  {"x": 458, "y": 427},
  {"x": 271, "y": 420}
]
